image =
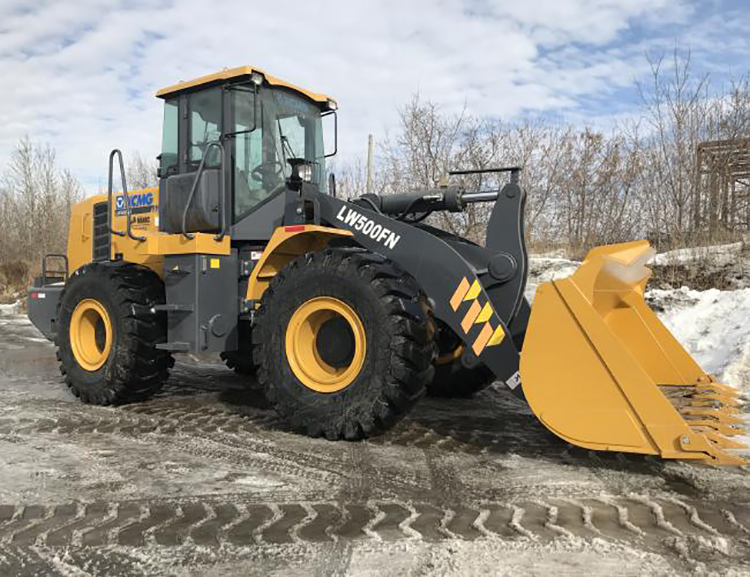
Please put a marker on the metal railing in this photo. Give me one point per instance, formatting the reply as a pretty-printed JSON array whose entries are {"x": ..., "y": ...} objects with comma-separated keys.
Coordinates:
[
  {"x": 126, "y": 199},
  {"x": 54, "y": 274}
]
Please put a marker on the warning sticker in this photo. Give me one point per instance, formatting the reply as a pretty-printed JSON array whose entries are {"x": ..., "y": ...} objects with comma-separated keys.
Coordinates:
[{"x": 514, "y": 381}]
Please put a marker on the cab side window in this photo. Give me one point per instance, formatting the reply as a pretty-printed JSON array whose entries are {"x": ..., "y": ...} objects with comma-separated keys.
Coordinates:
[
  {"x": 204, "y": 110},
  {"x": 169, "y": 142}
]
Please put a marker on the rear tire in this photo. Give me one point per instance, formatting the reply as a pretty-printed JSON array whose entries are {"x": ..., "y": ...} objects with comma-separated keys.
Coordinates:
[
  {"x": 452, "y": 380},
  {"x": 107, "y": 334},
  {"x": 377, "y": 373},
  {"x": 241, "y": 360}
]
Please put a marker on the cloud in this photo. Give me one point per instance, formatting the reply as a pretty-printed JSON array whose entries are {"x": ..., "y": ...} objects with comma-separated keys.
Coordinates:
[{"x": 81, "y": 75}]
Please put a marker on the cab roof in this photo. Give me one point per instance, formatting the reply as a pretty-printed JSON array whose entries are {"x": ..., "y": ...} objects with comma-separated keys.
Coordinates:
[{"x": 230, "y": 73}]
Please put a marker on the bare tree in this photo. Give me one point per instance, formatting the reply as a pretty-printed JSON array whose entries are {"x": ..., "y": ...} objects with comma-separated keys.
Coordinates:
[
  {"x": 140, "y": 172},
  {"x": 35, "y": 201}
]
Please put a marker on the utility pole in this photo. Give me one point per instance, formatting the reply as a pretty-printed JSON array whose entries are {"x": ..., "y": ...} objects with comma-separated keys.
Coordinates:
[{"x": 370, "y": 154}]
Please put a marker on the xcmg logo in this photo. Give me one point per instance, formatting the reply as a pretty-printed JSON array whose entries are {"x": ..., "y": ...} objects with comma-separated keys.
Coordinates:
[{"x": 142, "y": 202}]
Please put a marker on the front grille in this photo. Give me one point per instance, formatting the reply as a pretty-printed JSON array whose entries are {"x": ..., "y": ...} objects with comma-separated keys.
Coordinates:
[{"x": 102, "y": 236}]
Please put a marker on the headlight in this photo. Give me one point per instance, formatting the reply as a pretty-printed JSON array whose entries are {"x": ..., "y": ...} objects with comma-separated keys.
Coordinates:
[
  {"x": 306, "y": 172},
  {"x": 332, "y": 105}
]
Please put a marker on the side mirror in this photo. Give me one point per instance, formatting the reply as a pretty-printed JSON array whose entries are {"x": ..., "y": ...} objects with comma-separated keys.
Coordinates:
[
  {"x": 329, "y": 114},
  {"x": 332, "y": 185},
  {"x": 158, "y": 168}
]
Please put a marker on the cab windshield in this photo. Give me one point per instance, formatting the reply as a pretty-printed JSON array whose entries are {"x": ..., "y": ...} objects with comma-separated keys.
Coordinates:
[{"x": 286, "y": 125}]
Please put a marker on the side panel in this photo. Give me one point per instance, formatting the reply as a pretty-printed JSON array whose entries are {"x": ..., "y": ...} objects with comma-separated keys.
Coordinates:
[
  {"x": 261, "y": 224},
  {"x": 144, "y": 206},
  {"x": 42, "y": 304},
  {"x": 81, "y": 233},
  {"x": 202, "y": 304},
  {"x": 144, "y": 223}
]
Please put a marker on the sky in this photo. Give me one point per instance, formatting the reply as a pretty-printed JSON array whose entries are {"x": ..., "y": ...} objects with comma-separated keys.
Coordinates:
[{"x": 82, "y": 75}]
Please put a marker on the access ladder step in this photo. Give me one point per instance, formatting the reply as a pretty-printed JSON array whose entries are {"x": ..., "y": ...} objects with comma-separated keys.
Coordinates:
[
  {"x": 174, "y": 347},
  {"x": 173, "y": 308}
]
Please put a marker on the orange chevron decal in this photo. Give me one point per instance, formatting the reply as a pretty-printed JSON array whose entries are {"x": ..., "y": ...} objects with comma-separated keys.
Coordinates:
[
  {"x": 471, "y": 316},
  {"x": 482, "y": 339},
  {"x": 458, "y": 296}
]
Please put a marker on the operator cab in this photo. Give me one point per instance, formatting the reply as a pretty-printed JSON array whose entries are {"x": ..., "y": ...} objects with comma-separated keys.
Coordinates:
[{"x": 232, "y": 144}]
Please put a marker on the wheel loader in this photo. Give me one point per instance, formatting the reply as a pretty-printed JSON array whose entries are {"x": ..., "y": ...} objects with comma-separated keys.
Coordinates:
[{"x": 348, "y": 311}]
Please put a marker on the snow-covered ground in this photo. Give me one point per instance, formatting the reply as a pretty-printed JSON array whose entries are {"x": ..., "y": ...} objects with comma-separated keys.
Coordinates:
[
  {"x": 718, "y": 255},
  {"x": 204, "y": 480}
]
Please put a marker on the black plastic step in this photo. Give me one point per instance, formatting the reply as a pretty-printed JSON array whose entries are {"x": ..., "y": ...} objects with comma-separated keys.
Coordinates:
[{"x": 174, "y": 347}]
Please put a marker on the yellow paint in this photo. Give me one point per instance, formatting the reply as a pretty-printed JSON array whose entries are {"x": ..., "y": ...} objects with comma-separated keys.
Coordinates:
[
  {"x": 90, "y": 334},
  {"x": 301, "y": 348},
  {"x": 497, "y": 337},
  {"x": 161, "y": 244},
  {"x": 283, "y": 247},
  {"x": 474, "y": 291},
  {"x": 150, "y": 252},
  {"x": 594, "y": 355},
  {"x": 230, "y": 73},
  {"x": 485, "y": 315}
]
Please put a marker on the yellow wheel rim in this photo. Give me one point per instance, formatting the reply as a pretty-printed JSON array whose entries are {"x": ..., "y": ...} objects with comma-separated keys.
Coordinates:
[
  {"x": 303, "y": 349},
  {"x": 90, "y": 334},
  {"x": 450, "y": 356}
]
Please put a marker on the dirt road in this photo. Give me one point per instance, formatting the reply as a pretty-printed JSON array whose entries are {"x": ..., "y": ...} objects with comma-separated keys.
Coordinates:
[{"x": 203, "y": 480}]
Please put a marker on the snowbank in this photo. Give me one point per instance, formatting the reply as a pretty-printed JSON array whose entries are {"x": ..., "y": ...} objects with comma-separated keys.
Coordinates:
[
  {"x": 714, "y": 327},
  {"x": 718, "y": 255},
  {"x": 11, "y": 309},
  {"x": 544, "y": 269}
]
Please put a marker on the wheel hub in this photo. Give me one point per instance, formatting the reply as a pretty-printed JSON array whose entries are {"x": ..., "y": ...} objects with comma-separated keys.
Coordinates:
[
  {"x": 325, "y": 344},
  {"x": 90, "y": 334},
  {"x": 335, "y": 342}
]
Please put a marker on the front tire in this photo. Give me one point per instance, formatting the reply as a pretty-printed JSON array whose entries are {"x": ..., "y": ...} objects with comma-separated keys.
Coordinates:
[
  {"x": 343, "y": 343},
  {"x": 107, "y": 334}
]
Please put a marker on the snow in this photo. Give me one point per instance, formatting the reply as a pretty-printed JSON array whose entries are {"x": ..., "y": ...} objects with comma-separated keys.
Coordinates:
[
  {"x": 719, "y": 254},
  {"x": 10, "y": 309},
  {"x": 546, "y": 268},
  {"x": 713, "y": 326}
]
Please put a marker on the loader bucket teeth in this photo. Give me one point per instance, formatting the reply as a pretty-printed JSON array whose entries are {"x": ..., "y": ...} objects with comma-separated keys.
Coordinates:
[
  {"x": 717, "y": 407},
  {"x": 721, "y": 442},
  {"x": 705, "y": 399},
  {"x": 601, "y": 371},
  {"x": 714, "y": 413}
]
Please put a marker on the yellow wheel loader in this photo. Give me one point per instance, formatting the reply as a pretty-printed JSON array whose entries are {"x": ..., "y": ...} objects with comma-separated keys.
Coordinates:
[{"x": 349, "y": 311}]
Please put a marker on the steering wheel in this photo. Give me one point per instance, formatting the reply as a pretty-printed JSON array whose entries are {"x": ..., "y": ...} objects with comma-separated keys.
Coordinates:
[{"x": 267, "y": 170}]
